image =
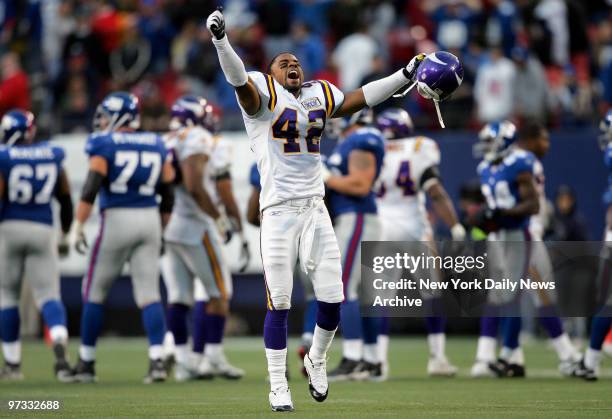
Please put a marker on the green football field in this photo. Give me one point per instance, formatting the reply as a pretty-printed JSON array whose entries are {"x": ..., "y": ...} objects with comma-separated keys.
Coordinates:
[{"x": 408, "y": 393}]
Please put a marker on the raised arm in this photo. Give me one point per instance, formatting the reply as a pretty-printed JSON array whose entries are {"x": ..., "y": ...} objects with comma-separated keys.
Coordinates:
[
  {"x": 379, "y": 90},
  {"x": 232, "y": 65}
]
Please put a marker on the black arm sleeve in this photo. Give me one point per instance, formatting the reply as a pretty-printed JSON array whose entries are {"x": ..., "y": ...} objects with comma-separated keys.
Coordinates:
[
  {"x": 223, "y": 175},
  {"x": 430, "y": 173},
  {"x": 92, "y": 186},
  {"x": 166, "y": 192},
  {"x": 66, "y": 210}
]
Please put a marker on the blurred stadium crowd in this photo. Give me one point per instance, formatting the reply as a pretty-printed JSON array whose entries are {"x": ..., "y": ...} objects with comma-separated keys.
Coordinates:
[{"x": 545, "y": 59}]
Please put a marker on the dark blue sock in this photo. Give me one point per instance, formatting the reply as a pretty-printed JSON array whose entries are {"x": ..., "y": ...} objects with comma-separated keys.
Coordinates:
[
  {"x": 177, "y": 322},
  {"x": 91, "y": 323},
  {"x": 10, "y": 324},
  {"x": 153, "y": 321},
  {"x": 275, "y": 329},
  {"x": 199, "y": 326},
  {"x": 600, "y": 326},
  {"x": 351, "y": 320},
  {"x": 328, "y": 315},
  {"x": 310, "y": 316},
  {"x": 435, "y": 325},
  {"x": 54, "y": 313},
  {"x": 488, "y": 326},
  {"x": 371, "y": 329},
  {"x": 215, "y": 326},
  {"x": 553, "y": 326},
  {"x": 512, "y": 330},
  {"x": 385, "y": 326}
]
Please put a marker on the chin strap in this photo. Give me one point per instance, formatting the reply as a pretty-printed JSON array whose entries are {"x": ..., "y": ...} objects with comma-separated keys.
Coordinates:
[
  {"x": 437, "y": 105},
  {"x": 405, "y": 92}
]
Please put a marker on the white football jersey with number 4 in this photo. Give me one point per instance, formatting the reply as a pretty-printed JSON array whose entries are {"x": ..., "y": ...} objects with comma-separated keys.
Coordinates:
[
  {"x": 401, "y": 199},
  {"x": 285, "y": 135}
]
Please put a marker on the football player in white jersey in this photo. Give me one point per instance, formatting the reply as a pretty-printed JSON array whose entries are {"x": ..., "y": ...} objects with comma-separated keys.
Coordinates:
[
  {"x": 410, "y": 175},
  {"x": 193, "y": 243},
  {"x": 284, "y": 119}
]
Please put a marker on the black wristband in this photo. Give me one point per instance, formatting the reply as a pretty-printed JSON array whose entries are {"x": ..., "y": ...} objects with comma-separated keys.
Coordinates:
[
  {"x": 406, "y": 74},
  {"x": 92, "y": 185}
]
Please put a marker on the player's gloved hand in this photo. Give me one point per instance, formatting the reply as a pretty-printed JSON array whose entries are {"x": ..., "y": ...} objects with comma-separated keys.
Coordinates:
[
  {"x": 216, "y": 23},
  {"x": 225, "y": 227},
  {"x": 487, "y": 219},
  {"x": 63, "y": 246},
  {"x": 78, "y": 239},
  {"x": 325, "y": 173},
  {"x": 245, "y": 253},
  {"x": 458, "y": 232},
  {"x": 410, "y": 71}
]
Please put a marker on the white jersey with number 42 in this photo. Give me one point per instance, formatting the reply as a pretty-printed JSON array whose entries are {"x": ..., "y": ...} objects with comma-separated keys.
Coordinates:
[
  {"x": 401, "y": 198},
  {"x": 285, "y": 135}
]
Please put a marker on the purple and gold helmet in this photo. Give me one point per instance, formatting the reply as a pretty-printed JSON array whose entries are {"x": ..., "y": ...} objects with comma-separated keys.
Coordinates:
[
  {"x": 395, "y": 123},
  {"x": 439, "y": 75},
  {"x": 191, "y": 110}
]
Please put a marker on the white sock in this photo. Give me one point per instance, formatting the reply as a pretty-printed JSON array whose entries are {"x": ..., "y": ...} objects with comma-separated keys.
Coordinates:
[
  {"x": 370, "y": 353},
  {"x": 12, "y": 352},
  {"x": 383, "y": 348},
  {"x": 564, "y": 348},
  {"x": 505, "y": 353},
  {"x": 437, "y": 345},
  {"x": 168, "y": 344},
  {"x": 517, "y": 357},
  {"x": 307, "y": 338},
  {"x": 321, "y": 341},
  {"x": 486, "y": 349},
  {"x": 592, "y": 359},
  {"x": 87, "y": 353},
  {"x": 277, "y": 359},
  {"x": 352, "y": 349},
  {"x": 182, "y": 353},
  {"x": 156, "y": 352},
  {"x": 59, "y": 334},
  {"x": 213, "y": 350}
]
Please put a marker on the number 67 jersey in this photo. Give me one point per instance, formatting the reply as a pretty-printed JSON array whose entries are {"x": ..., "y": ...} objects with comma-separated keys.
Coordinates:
[
  {"x": 135, "y": 161},
  {"x": 401, "y": 188},
  {"x": 285, "y": 135}
]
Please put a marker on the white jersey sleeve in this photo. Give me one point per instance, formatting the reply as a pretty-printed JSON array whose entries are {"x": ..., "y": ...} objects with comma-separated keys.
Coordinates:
[
  {"x": 221, "y": 159},
  {"x": 192, "y": 141},
  {"x": 333, "y": 97},
  {"x": 267, "y": 94},
  {"x": 426, "y": 154}
]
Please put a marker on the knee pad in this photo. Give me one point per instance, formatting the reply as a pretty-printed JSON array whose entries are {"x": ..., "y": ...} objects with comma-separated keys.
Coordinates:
[{"x": 280, "y": 301}]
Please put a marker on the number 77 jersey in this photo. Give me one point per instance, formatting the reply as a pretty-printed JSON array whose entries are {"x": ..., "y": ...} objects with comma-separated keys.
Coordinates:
[
  {"x": 135, "y": 161},
  {"x": 285, "y": 134}
]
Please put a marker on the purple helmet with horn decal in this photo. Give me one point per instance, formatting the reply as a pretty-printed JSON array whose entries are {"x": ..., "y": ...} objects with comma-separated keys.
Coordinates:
[
  {"x": 439, "y": 75},
  {"x": 395, "y": 123}
]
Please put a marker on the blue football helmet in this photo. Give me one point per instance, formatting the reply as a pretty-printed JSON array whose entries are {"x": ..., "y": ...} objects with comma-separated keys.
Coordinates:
[
  {"x": 395, "y": 123},
  {"x": 16, "y": 127},
  {"x": 193, "y": 110},
  {"x": 605, "y": 126},
  {"x": 494, "y": 140},
  {"x": 117, "y": 110}
]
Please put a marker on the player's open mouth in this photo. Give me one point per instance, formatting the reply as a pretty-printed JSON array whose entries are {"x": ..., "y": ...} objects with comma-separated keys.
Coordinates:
[{"x": 293, "y": 75}]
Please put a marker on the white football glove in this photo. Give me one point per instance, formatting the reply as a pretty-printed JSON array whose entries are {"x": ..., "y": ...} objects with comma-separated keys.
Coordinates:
[
  {"x": 216, "y": 23},
  {"x": 225, "y": 227},
  {"x": 78, "y": 239},
  {"x": 63, "y": 246},
  {"x": 412, "y": 67},
  {"x": 458, "y": 232},
  {"x": 325, "y": 173}
]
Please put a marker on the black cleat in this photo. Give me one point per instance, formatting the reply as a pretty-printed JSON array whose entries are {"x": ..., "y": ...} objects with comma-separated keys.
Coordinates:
[
  {"x": 63, "y": 372},
  {"x": 585, "y": 373},
  {"x": 504, "y": 369},
  {"x": 368, "y": 371},
  {"x": 343, "y": 371},
  {"x": 85, "y": 372},
  {"x": 157, "y": 372}
]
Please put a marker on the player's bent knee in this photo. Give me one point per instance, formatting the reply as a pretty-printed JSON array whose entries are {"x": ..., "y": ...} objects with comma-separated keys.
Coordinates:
[{"x": 281, "y": 302}]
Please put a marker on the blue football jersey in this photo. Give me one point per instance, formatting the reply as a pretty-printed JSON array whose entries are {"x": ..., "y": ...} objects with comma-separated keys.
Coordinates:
[
  {"x": 255, "y": 177},
  {"x": 499, "y": 184},
  {"x": 366, "y": 139},
  {"x": 608, "y": 161},
  {"x": 135, "y": 161},
  {"x": 30, "y": 173}
]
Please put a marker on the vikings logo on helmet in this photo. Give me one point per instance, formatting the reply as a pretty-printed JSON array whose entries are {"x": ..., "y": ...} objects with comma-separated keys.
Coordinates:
[
  {"x": 395, "y": 123},
  {"x": 439, "y": 75},
  {"x": 193, "y": 110},
  {"x": 494, "y": 140}
]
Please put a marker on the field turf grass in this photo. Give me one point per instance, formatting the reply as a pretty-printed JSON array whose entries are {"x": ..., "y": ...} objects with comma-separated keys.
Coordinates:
[{"x": 408, "y": 393}]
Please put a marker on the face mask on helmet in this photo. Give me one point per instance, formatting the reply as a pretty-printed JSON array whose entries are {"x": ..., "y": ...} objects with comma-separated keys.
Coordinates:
[
  {"x": 117, "y": 110},
  {"x": 17, "y": 127},
  {"x": 494, "y": 141}
]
